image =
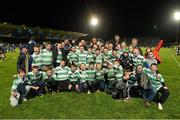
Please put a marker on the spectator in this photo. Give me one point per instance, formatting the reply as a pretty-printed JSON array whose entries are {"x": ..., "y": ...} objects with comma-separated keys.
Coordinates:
[{"x": 24, "y": 59}]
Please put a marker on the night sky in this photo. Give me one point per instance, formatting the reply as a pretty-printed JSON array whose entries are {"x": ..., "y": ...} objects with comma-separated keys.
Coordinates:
[{"x": 130, "y": 18}]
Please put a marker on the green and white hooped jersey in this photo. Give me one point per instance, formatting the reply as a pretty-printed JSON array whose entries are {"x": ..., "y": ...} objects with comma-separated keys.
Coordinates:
[
  {"x": 62, "y": 73},
  {"x": 110, "y": 74},
  {"x": 83, "y": 76},
  {"x": 82, "y": 58},
  {"x": 46, "y": 77},
  {"x": 99, "y": 59},
  {"x": 118, "y": 72},
  {"x": 90, "y": 58},
  {"x": 73, "y": 76},
  {"x": 91, "y": 74},
  {"x": 72, "y": 57},
  {"x": 59, "y": 57},
  {"x": 17, "y": 82},
  {"x": 99, "y": 75},
  {"x": 37, "y": 60},
  {"x": 138, "y": 60},
  {"x": 154, "y": 80},
  {"x": 47, "y": 57},
  {"x": 35, "y": 78},
  {"x": 106, "y": 56}
]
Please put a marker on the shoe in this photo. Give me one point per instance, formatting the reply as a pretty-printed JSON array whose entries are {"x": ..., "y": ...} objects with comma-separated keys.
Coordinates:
[
  {"x": 41, "y": 95},
  {"x": 146, "y": 103},
  {"x": 98, "y": 91},
  {"x": 24, "y": 99},
  {"x": 88, "y": 92},
  {"x": 160, "y": 106}
]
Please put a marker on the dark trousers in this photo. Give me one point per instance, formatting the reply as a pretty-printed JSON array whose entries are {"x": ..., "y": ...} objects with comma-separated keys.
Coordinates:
[
  {"x": 52, "y": 86},
  {"x": 148, "y": 94},
  {"x": 162, "y": 95},
  {"x": 63, "y": 85},
  {"x": 100, "y": 85},
  {"x": 73, "y": 86},
  {"x": 110, "y": 85},
  {"x": 90, "y": 86},
  {"x": 41, "y": 86},
  {"x": 83, "y": 87},
  {"x": 21, "y": 89}
]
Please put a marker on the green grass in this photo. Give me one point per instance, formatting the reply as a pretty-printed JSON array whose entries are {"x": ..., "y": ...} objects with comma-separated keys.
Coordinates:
[{"x": 98, "y": 105}]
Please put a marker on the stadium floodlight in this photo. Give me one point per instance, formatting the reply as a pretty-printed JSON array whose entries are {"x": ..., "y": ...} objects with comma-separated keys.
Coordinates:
[
  {"x": 94, "y": 21},
  {"x": 177, "y": 16}
]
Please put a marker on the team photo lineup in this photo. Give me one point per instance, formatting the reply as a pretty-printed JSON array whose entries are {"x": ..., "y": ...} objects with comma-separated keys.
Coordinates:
[{"x": 117, "y": 68}]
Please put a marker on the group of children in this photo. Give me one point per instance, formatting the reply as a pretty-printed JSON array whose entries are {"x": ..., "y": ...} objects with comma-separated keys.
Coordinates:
[{"x": 121, "y": 72}]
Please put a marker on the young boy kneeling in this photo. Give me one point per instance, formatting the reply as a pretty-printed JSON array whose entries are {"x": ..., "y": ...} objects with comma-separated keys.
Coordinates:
[
  {"x": 83, "y": 87},
  {"x": 36, "y": 81},
  {"x": 20, "y": 88},
  {"x": 74, "y": 78},
  {"x": 50, "y": 79}
]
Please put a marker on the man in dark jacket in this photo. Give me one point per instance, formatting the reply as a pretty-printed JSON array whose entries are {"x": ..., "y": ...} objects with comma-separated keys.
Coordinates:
[
  {"x": 58, "y": 54},
  {"x": 24, "y": 59},
  {"x": 117, "y": 41}
]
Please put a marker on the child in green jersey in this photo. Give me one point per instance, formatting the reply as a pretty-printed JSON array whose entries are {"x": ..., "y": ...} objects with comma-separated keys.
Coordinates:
[
  {"x": 99, "y": 81},
  {"x": 37, "y": 57},
  {"x": 62, "y": 76},
  {"x": 72, "y": 55},
  {"x": 36, "y": 81},
  {"x": 91, "y": 77},
  {"x": 82, "y": 79},
  {"x": 74, "y": 78},
  {"x": 19, "y": 89}
]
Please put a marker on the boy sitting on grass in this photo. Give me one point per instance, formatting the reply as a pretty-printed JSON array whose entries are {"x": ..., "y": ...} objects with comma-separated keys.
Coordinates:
[
  {"x": 19, "y": 89},
  {"x": 36, "y": 81},
  {"x": 121, "y": 87},
  {"x": 158, "y": 85}
]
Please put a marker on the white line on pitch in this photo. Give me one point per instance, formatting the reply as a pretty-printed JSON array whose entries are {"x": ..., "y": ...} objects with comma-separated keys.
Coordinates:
[{"x": 174, "y": 58}]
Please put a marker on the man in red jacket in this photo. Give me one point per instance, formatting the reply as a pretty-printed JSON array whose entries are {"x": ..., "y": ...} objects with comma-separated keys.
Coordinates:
[{"x": 155, "y": 51}]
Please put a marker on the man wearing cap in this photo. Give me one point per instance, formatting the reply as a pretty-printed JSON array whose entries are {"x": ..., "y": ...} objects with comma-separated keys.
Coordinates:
[{"x": 24, "y": 59}]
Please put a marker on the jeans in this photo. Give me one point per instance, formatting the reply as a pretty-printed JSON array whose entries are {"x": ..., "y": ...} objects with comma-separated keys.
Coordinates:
[
  {"x": 41, "y": 86},
  {"x": 100, "y": 85},
  {"x": 149, "y": 93},
  {"x": 83, "y": 87}
]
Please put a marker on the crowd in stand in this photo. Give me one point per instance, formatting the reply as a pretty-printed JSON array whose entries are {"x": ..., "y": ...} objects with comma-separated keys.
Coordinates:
[{"x": 118, "y": 69}]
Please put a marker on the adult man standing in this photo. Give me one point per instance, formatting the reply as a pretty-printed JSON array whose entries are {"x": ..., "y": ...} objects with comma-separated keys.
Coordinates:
[
  {"x": 117, "y": 41},
  {"x": 24, "y": 59},
  {"x": 134, "y": 44}
]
